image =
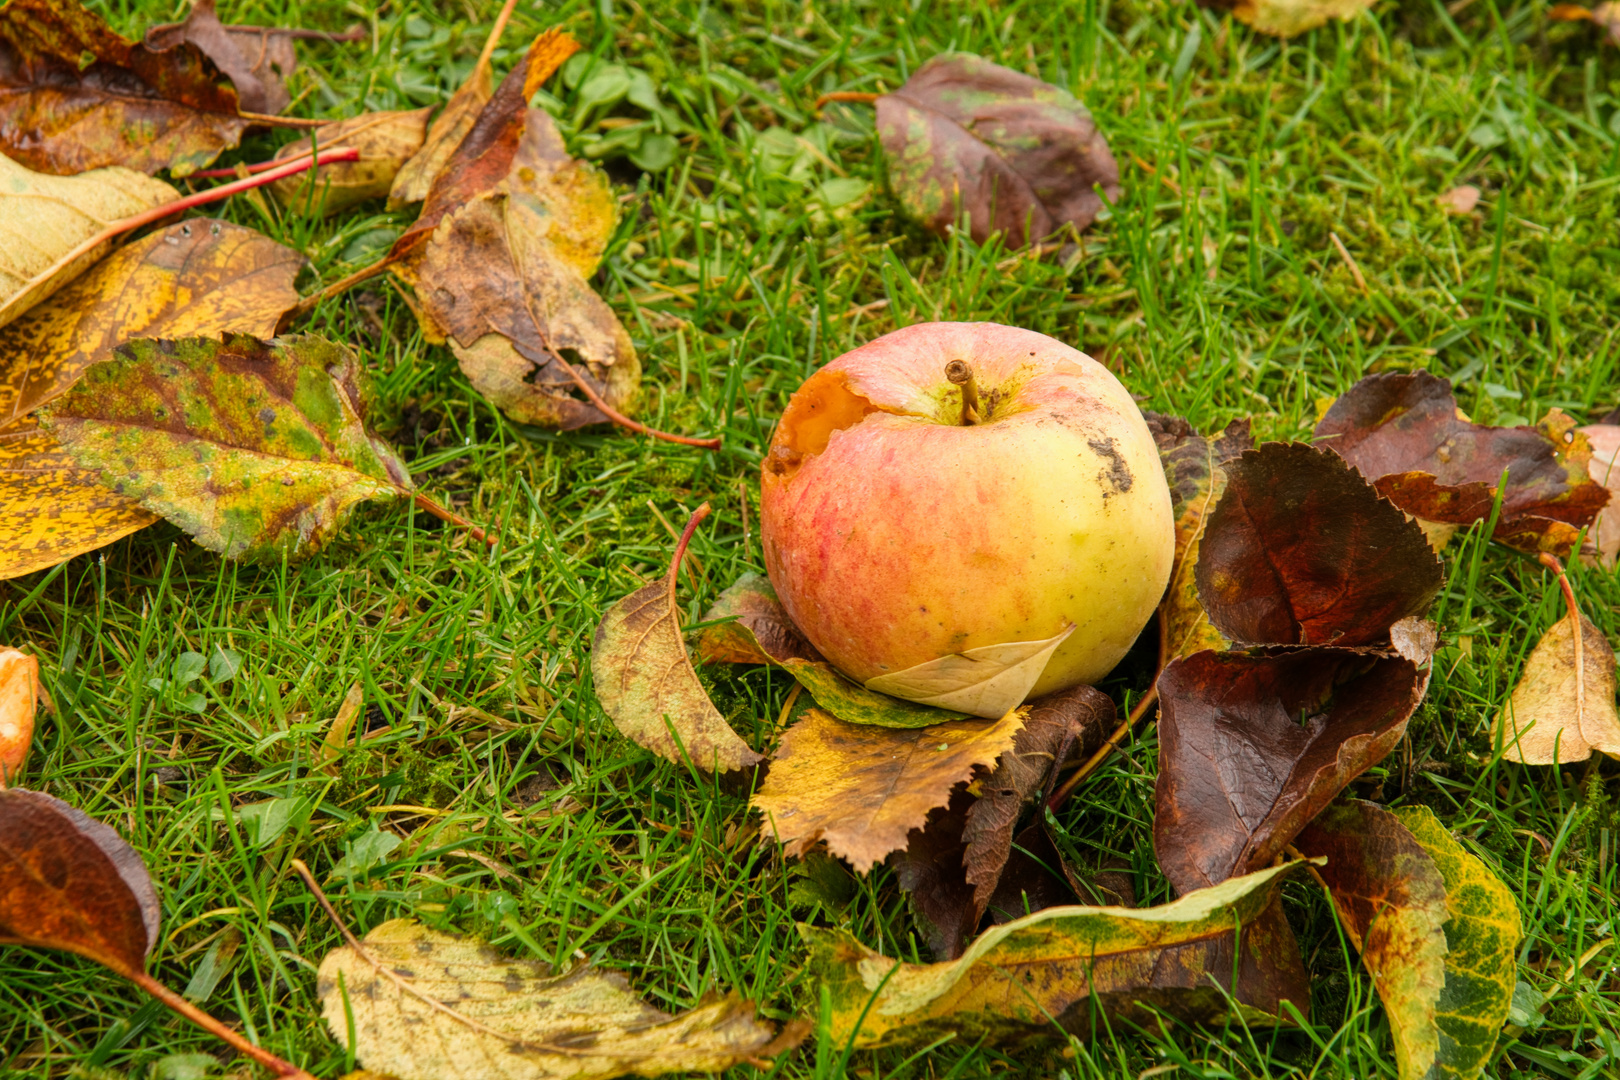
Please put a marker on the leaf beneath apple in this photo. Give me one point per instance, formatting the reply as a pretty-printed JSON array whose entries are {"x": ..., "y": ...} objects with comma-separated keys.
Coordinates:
[{"x": 988, "y": 681}]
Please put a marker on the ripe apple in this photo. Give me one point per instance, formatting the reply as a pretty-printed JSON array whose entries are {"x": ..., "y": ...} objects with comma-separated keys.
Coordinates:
[{"x": 898, "y": 532}]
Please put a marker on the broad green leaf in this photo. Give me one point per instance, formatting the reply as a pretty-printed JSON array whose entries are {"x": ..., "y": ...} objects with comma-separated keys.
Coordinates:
[
  {"x": 988, "y": 681},
  {"x": 1482, "y": 938},
  {"x": 1054, "y": 969}
]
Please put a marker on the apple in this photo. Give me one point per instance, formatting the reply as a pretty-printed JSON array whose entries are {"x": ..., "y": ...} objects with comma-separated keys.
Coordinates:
[{"x": 900, "y": 533}]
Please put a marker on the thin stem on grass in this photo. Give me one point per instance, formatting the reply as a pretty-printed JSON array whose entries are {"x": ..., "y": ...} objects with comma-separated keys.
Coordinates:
[
  {"x": 216, "y": 1027},
  {"x": 444, "y": 513}
]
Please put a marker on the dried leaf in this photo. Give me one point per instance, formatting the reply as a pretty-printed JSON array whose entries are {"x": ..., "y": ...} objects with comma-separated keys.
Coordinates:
[
  {"x": 645, "y": 682},
  {"x": 386, "y": 140},
  {"x": 1057, "y": 969},
  {"x": 855, "y": 704},
  {"x": 987, "y": 682},
  {"x": 1286, "y": 18},
  {"x": 257, "y": 59},
  {"x": 67, "y": 882},
  {"x": 863, "y": 789},
  {"x": 1016, "y": 155},
  {"x": 20, "y": 694},
  {"x": 1563, "y": 707},
  {"x": 46, "y": 220},
  {"x": 759, "y": 632},
  {"x": 1391, "y": 901},
  {"x": 280, "y": 426},
  {"x": 1482, "y": 940},
  {"x": 930, "y": 870},
  {"x": 1300, "y": 550},
  {"x": 1460, "y": 201},
  {"x": 78, "y": 96},
  {"x": 1240, "y": 774},
  {"x": 459, "y": 1010},
  {"x": 1605, "y": 469},
  {"x": 1404, "y": 432}
]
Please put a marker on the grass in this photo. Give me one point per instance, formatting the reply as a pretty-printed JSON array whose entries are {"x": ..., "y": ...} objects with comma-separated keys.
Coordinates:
[{"x": 493, "y": 797}]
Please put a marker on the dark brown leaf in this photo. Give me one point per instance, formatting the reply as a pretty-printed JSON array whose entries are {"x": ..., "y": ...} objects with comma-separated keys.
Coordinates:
[
  {"x": 930, "y": 870},
  {"x": 759, "y": 632},
  {"x": 1017, "y": 155},
  {"x": 1403, "y": 431},
  {"x": 1033, "y": 877},
  {"x": 67, "y": 882},
  {"x": 1301, "y": 551}
]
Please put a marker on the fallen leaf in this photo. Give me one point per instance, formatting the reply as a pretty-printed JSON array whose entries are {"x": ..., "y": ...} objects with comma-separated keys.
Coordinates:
[
  {"x": 257, "y": 59},
  {"x": 338, "y": 736},
  {"x": 759, "y": 630},
  {"x": 1287, "y": 18},
  {"x": 1016, "y": 155},
  {"x": 1605, "y": 469},
  {"x": 45, "y": 222},
  {"x": 863, "y": 789},
  {"x": 70, "y": 883},
  {"x": 20, "y": 694},
  {"x": 929, "y": 868},
  {"x": 987, "y": 682},
  {"x": 420, "y": 1003},
  {"x": 1605, "y": 16},
  {"x": 1404, "y": 432},
  {"x": 1482, "y": 941},
  {"x": 386, "y": 140},
  {"x": 280, "y": 426},
  {"x": 855, "y": 704},
  {"x": 1239, "y": 773},
  {"x": 1391, "y": 902},
  {"x": 645, "y": 682},
  {"x": 1563, "y": 706},
  {"x": 74, "y": 96},
  {"x": 1300, "y": 550},
  {"x": 1460, "y": 200},
  {"x": 1056, "y": 970}
]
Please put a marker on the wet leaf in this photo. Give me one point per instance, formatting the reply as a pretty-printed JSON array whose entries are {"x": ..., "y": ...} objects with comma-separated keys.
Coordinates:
[
  {"x": 1056, "y": 969},
  {"x": 1300, "y": 550},
  {"x": 1240, "y": 774},
  {"x": 1482, "y": 939},
  {"x": 987, "y": 682},
  {"x": 386, "y": 140},
  {"x": 645, "y": 682},
  {"x": 79, "y": 96},
  {"x": 46, "y": 222},
  {"x": 20, "y": 694},
  {"x": 759, "y": 632},
  {"x": 67, "y": 882},
  {"x": 1391, "y": 901},
  {"x": 1563, "y": 707},
  {"x": 862, "y": 789},
  {"x": 1404, "y": 432},
  {"x": 459, "y": 1010},
  {"x": 1605, "y": 469},
  {"x": 855, "y": 704},
  {"x": 257, "y": 59},
  {"x": 1286, "y": 18},
  {"x": 279, "y": 425},
  {"x": 1016, "y": 155}
]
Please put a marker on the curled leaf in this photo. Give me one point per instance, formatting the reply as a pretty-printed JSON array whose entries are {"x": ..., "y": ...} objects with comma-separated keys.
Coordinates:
[
  {"x": 988, "y": 681},
  {"x": 20, "y": 694},
  {"x": 257, "y": 59},
  {"x": 1605, "y": 469},
  {"x": 386, "y": 140}
]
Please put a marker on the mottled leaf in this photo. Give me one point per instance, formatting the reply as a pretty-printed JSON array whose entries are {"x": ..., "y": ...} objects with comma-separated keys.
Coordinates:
[
  {"x": 1391, "y": 901},
  {"x": 1482, "y": 940},
  {"x": 1300, "y": 550},
  {"x": 855, "y": 704},
  {"x": 987, "y": 681},
  {"x": 385, "y": 140},
  {"x": 862, "y": 789},
  {"x": 1404, "y": 432},
  {"x": 1061, "y": 969},
  {"x": 1563, "y": 707},
  {"x": 1286, "y": 18},
  {"x": 1016, "y": 155},
  {"x": 1604, "y": 467},
  {"x": 67, "y": 882},
  {"x": 74, "y": 95},
  {"x": 759, "y": 630},
  {"x": 645, "y": 681},
  {"x": 254, "y": 448},
  {"x": 455, "y": 1009},
  {"x": 20, "y": 695}
]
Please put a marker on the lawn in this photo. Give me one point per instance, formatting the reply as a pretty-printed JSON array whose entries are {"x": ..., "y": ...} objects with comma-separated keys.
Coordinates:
[{"x": 491, "y": 796}]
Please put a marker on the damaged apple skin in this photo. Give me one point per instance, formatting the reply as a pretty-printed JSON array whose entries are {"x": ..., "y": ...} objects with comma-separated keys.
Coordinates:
[{"x": 894, "y": 534}]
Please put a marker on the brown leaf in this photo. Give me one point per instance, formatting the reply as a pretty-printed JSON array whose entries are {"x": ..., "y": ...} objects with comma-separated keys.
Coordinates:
[
  {"x": 1301, "y": 551},
  {"x": 1286, "y": 18},
  {"x": 930, "y": 870},
  {"x": 1240, "y": 774},
  {"x": 1017, "y": 155},
  {"x": 20, "y": 694},
  {"x": 386, "y": 140},
  {"x": 1563, "y": 707},
  {"x": 257, "y": 59},
  {"x": 1033, "y": 878},
  {"x": 863, "y": 789},
  {"x": 759, "y": 632},
  {"x": 645, "y": 682},
  {"x": 1403, "y": 431},
  {"x": 1605, "y": 469},
  {"x": 74, "y": 96},
  {"x": 67, "y": 882},
  {"x": 1460, "y": 200}
]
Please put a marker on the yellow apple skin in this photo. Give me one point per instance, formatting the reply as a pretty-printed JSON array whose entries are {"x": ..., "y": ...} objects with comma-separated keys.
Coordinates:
[{"x": 895, "y": 535}]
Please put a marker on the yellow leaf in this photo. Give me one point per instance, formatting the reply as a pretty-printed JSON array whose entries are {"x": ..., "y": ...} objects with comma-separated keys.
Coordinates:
[
  {"x": 1286, "y": 18},
  {"x": 989, "y": 681},
  {"x": 1563, "y": 707}
]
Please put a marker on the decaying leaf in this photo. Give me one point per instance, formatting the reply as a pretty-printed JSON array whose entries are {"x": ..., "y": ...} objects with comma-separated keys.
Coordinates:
[
  {"x": 1016, "y": 155},
  {"x": 438, "y": 1006},
  {"x": 386, "y": 140},
  {"x": 74, "y": 96},
  {"x": 1062, "y": 969},
  {"x": 279, "y": 425},
  {"x": 1391, "y": 901},
  {"x": 1286, "y": 18},
  {"x": 759, "y": 630},
  {"x": 67, "y": 882},
  {"x": 1300, "y": 550},
  {"x": 20, "y": 694},
  {"x": 1563, "y": 707},
  {"x": 987, "y": 682},
  {"x": 930, "y": 871},
  {"x": 645, "y": 681},
  {"x": 45, "y": 222},
  {"x": 855, "y": 704},
  {"x": 1605, "y": 469},
  {"x": 1404, "y": 432},
  {"x": 861, "y": 789},
  {"x": 1482, "y": 939}
]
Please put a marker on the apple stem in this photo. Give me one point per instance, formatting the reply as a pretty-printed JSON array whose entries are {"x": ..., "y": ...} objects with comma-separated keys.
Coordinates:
[{"x": 960, "y": 372}]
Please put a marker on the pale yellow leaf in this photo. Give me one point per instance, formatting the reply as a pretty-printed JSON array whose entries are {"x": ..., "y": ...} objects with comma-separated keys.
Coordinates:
[
  {"x": 989, "y": 681},
  {"x": 1563, "y": 708}
]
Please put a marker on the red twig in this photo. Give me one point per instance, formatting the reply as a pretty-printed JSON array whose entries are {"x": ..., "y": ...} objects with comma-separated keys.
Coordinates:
[
  {"x": 325, "y": 157},
  {"x": 216, "y": 1027},
  {"x": 444, "y": 513}
]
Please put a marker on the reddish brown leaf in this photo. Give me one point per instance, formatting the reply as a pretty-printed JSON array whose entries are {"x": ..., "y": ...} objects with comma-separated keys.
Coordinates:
[
  {"x": 1016, "y": 155},
  {"x": 759, "y": 630},
  {"x": 930, "y": 870},
  {"x": 1403, "y": 431},
  {"x": 20, "y": 694},
  {"x": 1301, "y": 551},
  {"x": 1033, "y": 877}
]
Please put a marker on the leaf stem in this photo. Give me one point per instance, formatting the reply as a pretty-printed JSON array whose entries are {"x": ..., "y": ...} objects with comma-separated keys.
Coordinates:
[
  {"x": 609, "y": 411},
  {"x": 495, "y": 33},
  {"x": 1092, "y": 763},
  {"x": 680, "y": 547},
  {"x": 1576, "y": 626},
  {"x": 337, "y": 288},
  {"x": 855, "y": 96},
  {"x": 444, "y": 513},
  {"x": 216, "y": 1027}
]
